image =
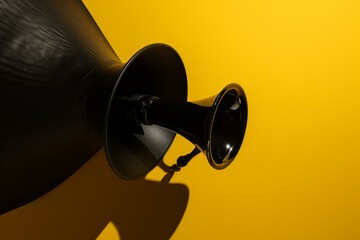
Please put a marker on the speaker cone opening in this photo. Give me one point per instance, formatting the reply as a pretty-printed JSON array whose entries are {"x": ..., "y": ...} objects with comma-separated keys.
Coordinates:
[
  {"x": 133, "y": 149},
  {"x": 227, "y": 126}
]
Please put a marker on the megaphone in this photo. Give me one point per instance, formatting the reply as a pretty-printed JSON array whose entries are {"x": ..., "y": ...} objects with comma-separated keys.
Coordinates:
[
  {"x": 216, "y": 125},
  {"x": 148, "y": 107},
  {"x": 64, "y": 94}
]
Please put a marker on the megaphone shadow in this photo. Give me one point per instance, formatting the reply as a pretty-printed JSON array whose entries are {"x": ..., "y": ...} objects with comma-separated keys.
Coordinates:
[{"x": 83, "y": 205}]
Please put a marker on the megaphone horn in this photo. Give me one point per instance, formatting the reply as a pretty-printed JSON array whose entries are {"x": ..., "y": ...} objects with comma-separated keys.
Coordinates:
[
  {"x": 216, "y": 125},
  {"x": 64, "y": 94}
]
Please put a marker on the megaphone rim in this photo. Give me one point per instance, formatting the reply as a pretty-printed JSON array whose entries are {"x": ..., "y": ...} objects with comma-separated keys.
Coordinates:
[
  {"x": 240, "y": 93},
  {"x": 126, "y": 66}
]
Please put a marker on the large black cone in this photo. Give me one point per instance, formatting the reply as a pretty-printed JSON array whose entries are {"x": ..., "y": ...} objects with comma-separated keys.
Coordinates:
[{"x": 58, "y": 75}]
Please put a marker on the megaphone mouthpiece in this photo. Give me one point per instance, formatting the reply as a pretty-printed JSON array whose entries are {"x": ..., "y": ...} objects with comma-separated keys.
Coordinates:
[{"x": 182, "y": 161}]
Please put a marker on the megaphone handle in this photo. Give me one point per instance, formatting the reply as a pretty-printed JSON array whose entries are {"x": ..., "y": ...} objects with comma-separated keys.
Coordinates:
[{"x": 182, "y": 161}]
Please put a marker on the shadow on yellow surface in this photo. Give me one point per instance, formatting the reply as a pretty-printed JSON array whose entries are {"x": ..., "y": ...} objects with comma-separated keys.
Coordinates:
[{"x": 82, "y": 206}]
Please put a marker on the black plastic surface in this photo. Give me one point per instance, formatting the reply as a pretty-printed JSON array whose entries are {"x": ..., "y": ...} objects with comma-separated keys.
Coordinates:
[
  {"x": 51, "y": 54},
  {"x": 134, "y": 149},
  {"x": 57, "y": 74}
]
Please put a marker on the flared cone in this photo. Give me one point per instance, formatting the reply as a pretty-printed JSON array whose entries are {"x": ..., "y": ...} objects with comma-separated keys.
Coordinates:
[
  {"x": 58, "y": 76},
  {"x": 215, "y": 125}
]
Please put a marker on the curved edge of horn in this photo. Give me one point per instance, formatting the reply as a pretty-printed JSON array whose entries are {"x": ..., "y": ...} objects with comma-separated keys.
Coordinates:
[
  {"x": 221, "y": 155},
  {"x": 134, "y": 150}
]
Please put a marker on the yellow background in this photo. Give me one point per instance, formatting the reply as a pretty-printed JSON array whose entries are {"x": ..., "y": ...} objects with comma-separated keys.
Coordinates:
[{"x": 297, "y": 175}]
